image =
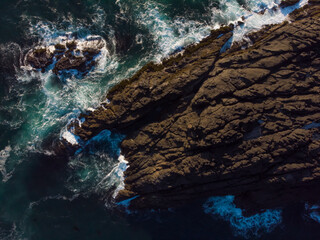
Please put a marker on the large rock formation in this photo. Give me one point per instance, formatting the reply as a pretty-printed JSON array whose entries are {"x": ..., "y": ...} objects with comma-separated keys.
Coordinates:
[
  {"x": 244, "y": 122},
  {"x": 67, "y": 54}
]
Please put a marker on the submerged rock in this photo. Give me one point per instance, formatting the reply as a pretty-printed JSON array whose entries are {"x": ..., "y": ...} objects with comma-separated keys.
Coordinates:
[
  {"x": 66, "y": 55},
  {"x": 207, "y": 123}
]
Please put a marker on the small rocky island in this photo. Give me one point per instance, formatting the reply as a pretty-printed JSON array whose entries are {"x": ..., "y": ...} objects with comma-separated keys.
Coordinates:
[
  {"x": 206, "y": 122},
  {"x": 68, "y": 54}
]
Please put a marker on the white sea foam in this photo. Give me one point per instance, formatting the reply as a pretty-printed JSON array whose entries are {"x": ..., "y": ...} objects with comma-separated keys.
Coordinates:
[
  {"x": 96, "y": 169},
  {"x": 70, "y": 138},
  {"x": 119, "y": 173},
  {"x": 66, "y": 23},
  {"x": 170, "y": 34},
  {"x": 116, "y": 175},
  {"x": 247, "y": 227},
  {"x": 4, "y": 155},
  {"x": 255, "y": 20}
]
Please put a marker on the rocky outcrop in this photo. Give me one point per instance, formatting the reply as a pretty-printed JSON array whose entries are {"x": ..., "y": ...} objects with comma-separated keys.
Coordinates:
[
  {"x": 40, "y": 58},
  {"x": 244, "y": 122},
  {"x": 67, "y": 54}
]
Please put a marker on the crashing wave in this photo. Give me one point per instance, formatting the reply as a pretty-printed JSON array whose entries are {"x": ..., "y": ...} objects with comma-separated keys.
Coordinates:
[
  {"x": 255, "y": 20},
  {"x": 116, "y": 176},
  {"x": 98, "y": 165}
]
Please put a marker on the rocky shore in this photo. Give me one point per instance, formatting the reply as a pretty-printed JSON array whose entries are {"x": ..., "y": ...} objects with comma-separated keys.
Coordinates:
[{"x": 206, "y": 122}]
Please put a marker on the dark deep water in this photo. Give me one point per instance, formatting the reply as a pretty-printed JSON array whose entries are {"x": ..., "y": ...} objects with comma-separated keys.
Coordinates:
[{"x": 42, "y": 197}]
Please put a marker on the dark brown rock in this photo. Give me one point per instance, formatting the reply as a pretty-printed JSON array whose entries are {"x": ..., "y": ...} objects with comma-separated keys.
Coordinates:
[
  {"x": 216, "y": 124},
  {"x": 40, "y": 58},
  {"x": 70, "y": 62},
  {"x": 67, "y": 55},
  {"x": 286, "y": 3}
]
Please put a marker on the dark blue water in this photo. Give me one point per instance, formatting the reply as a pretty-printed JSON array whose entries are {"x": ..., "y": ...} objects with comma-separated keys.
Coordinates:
[{"x": 45, "y": 197}]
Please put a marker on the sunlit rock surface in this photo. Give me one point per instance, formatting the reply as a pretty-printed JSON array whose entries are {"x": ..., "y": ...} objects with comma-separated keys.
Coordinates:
[{"x": 210, "y": 122}]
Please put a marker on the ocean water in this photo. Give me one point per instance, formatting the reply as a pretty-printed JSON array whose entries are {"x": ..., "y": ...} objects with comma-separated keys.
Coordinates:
[{"x": 42, "y": 197}]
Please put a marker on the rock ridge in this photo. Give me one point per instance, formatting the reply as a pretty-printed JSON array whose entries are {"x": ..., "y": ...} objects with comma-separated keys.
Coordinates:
[{"x": 243, "y": 122}]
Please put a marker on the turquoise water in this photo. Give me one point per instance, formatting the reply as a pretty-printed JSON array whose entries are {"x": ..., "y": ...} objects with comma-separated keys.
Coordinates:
[{"x": 44, "y": 197}]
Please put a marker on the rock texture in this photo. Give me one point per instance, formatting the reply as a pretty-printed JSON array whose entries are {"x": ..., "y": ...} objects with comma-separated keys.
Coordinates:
[{"x": 244, "y": 122}]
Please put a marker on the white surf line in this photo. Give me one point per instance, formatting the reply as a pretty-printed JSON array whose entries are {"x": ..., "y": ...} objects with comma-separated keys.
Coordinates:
[
  {"x": 116, "y": 175},
  {"x": 255, "y": 21}
]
